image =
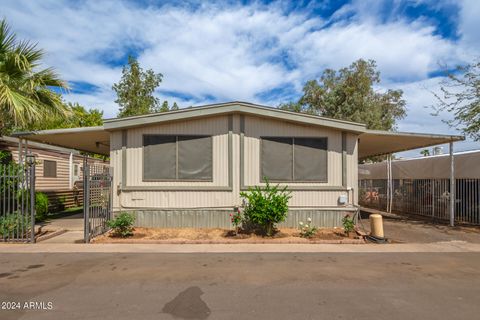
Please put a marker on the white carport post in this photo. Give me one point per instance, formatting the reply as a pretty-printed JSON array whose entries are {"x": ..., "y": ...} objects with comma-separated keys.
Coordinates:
[{"x": 452, "y": 186}]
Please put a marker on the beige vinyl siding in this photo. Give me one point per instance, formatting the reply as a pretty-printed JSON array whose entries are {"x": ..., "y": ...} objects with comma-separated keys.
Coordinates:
[
  {"x": 352, "y": 165},
  {"x": 61, "y": 181},
  {"x": 116, "y": 164},
  {"x": 255, "y": 128},
  {"x": 217, "y": 127}
]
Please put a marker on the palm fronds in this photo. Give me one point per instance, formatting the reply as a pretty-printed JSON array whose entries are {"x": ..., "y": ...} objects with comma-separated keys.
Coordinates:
[{"x": 26, "y": 92}]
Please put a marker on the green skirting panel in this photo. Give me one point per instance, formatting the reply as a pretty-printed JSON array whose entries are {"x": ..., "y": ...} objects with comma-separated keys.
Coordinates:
[{"x": 215, "y": 218}]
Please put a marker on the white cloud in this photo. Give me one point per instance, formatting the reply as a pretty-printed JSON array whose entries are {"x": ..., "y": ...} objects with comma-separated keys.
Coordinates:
[
  {"x": 420, "y": 100},
  {"x": 232, "y": 52},
  {"x": 469, "y": 26}
]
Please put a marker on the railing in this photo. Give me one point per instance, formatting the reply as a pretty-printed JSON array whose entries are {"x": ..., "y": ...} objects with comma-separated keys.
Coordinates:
[
  {"x": 17, "y": 203},
  {"x": 424, "y": 197}
]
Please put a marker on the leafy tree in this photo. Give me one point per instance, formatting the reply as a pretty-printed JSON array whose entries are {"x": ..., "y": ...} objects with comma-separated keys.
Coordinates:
[
  {"x": 164, "y": 107},
  {"x": 26, "y": 93},
  {"x": 83, "y": 117},
  {"x": 78, "y": 117},
  {"x": 348, "y": 94},
  {"x": 135, "y": 90},
  {"x": 460, "y": 95}
]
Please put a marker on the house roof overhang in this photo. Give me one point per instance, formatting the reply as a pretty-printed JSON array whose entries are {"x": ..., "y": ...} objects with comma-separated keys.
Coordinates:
[{"x": 229, "y": 108}]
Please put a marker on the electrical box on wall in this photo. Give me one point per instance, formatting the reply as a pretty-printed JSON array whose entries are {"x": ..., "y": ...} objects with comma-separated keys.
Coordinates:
[{"x": 342, "y": 200}]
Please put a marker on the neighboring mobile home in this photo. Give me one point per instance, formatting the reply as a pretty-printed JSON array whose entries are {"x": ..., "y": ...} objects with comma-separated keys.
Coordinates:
[
  {"x": 58, "y": 171},
  {"x": 187, "y": 168},
  {"x": 421, "y": 186}
]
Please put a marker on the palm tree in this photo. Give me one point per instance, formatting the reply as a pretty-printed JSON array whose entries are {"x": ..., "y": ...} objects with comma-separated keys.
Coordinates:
[
  {"x": 26, "y": 94},
  {"x": 425, "y": 152}
]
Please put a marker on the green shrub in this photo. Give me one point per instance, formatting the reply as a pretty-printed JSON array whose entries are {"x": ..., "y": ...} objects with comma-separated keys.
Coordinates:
[
  {"x": 6, "y": 157},
  {"x": 10, "y": 183},
  {"x": 307, "y": 230},
  {"x": 61, "y": 203},
  {"x": 122, "y": 224},
  {"x": 14, "y": 225},
  {"x": 266, "y": 206},
  {"x": 348, "y": 224},
  {"x": 236, "y": 218},
  {"x": 41, "y": 206}
]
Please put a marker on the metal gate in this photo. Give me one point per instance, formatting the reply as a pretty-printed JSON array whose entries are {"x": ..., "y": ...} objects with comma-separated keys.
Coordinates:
[
  {"x": 97, "y": 200},
  {"x": 17, "y": 201}
]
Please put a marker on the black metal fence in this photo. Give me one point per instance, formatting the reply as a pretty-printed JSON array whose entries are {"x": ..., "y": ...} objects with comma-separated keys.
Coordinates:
[
  {"x": 17, "y": 202},
  {"x": 97, "y": 200},
  {"x": 425, "y": 197}
]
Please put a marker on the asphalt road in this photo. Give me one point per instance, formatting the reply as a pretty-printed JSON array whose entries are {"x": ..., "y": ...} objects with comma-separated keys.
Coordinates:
[{"x": 241, "y": 286}]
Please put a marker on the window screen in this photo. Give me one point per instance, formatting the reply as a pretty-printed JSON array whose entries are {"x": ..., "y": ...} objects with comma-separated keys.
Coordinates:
[
  {"x": 49, "y": 169},
  {"x": 159, "y": 157},
  {"x": 277, "y": 159},
  {"x": 194, "y": 158},
  {"x": 294, "y": 159},
  {"x": 167, "y": 157},
  {"x": 310, "y": 163}
]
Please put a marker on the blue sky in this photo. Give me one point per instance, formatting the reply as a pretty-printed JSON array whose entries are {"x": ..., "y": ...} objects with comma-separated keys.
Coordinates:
[{"x": 261, "y": 52}]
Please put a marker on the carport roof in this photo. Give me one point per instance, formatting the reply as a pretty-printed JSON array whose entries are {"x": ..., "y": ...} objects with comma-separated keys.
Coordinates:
[
  {"x": 377, "y": 142},
  {"x": 372, "y": 142},
  {"x": 89, "y": 139}
]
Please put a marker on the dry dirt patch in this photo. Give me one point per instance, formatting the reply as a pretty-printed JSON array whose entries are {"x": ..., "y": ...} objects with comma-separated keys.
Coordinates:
[{"x": 217, "y": 235}]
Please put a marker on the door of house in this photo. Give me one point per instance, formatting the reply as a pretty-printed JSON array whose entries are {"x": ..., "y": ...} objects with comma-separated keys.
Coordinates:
[{"x": 76, "y": 172}]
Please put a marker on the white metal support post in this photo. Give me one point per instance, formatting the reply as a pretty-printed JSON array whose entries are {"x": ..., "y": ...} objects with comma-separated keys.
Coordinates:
[{"x": 452, "y": 187}]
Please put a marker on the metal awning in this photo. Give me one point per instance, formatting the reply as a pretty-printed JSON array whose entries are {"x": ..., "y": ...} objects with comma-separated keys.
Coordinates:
[
  {"x": 376, "y": 142},
  {"x": 89, "y": 139},
  {"x": 371, "y": 143}
]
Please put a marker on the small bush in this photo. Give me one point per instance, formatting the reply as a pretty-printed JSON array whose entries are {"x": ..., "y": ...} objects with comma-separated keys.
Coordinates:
[
  {"x": 61, "y": 203},
  {"x": 307, "y": 230},
  {"x": 41, "y": 206},
  {"x": 14, "y": 225},
  {"x": 236, "y": 219},
  {"x": 6, "y": 157},
  {"x": 266, "y": 206},
  {"x": 122, "y": 224},
  {"x": 348, "y": 224}
]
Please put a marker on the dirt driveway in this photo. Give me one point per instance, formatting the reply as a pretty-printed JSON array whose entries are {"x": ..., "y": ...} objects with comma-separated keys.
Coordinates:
[{"x": 420, "y": 231}]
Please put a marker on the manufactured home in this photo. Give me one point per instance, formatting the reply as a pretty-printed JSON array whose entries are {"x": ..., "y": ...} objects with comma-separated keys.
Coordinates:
[
  {"x": 186, "y": 168},
  {"x": 59, "y": 170}
]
